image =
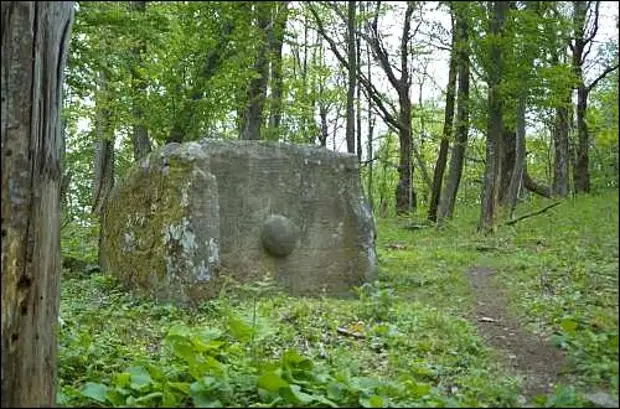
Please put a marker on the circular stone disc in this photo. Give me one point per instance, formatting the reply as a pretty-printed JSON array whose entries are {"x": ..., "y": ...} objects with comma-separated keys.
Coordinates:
[{"x": 279, "y": 235}]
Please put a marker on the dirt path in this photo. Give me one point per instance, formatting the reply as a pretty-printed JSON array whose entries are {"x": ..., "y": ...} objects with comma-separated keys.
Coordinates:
[{"x": 526, "y": 353}]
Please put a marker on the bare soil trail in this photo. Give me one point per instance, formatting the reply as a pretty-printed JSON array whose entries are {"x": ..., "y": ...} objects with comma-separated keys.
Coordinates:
[{"x": 540, "y": 363}]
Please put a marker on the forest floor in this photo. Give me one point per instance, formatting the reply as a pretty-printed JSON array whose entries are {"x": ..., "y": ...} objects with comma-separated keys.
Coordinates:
[{"x": 525, "y": 317}]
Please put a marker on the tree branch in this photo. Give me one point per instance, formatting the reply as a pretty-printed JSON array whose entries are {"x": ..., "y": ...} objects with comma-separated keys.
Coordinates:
[
  {"x": 528, "y": 215},
  {"x": 595, "y": 26},
  {"x": 600, "y": 77}
]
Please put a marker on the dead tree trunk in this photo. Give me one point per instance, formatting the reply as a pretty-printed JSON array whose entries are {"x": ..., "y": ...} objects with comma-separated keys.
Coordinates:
[
  {"x": 35, "y": 43},
  {"x": 448, "y": 126}
]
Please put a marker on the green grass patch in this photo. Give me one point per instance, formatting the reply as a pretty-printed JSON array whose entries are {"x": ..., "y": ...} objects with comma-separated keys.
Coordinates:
[{"x": 405, "y": 341}]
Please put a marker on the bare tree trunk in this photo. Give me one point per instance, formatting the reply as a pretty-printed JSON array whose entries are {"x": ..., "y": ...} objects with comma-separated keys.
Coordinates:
[
  {"x": 350, "y": 135},
  {"x": 494, "y": 151},
  {"x": 455, "y": 169},
  {"x": 140, "y": 136},
  {"x": 252, "y": 119},
  {"x": 508, "y": 143},
  {"x": 448, "y": 126},
  {"x": 276, "y": 66},
  {"x": 35, "y": 43}
]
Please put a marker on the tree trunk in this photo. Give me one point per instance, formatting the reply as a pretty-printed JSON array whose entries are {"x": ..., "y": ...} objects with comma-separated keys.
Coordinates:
[
  {"x": 35, "y": 42},
  {"x": 252, "y": 119},
  {"x": 350, "y": 134},
  {"x": 494, "y": 150},
  {"x": 509, "y": 143},
  {"x": 455, "y": 169},
  {"x": 371, "y": 126},
  {"x": 358, "y": 101},
  {"x": 276, "y": 66},
  {"x": 448, "y": 126},
  {"x": 516, "y": 176},
  {"x": 561, "y": 151},
  {"x": 406, "y": 200},
  {"x": 140, "y": 135},
  {"x": 104, "y": 163},
  {"x": 581, "y": 175}
]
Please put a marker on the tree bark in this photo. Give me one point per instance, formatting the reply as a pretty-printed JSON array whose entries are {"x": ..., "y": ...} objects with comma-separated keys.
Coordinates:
[
  {"x": 561, "y": 151},
  {"x": 494, "y": 150},
  {"x": 252, "y": 118},
  {"x": 455, "y": 168},
  {"x": 448, "y": 126},
  {"x": 35, "y": 43},
  {"x": 104, "y": 162},
  {"x": 350, "y": 134},
  {"x": 276, "y": 66},
  {"x": 371, "y": 126},
  {"x": 140, "y": 134},
  {"x": 516, "y": 176},
  {"x": 358, "y": 102}
]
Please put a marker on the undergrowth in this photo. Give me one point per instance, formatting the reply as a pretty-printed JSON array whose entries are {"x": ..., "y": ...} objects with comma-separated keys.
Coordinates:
[{"x": 407, "y": 340}]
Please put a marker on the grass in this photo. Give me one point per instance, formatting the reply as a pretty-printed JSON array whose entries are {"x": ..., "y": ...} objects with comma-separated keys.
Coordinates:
[{"x": 406, "y": 341}]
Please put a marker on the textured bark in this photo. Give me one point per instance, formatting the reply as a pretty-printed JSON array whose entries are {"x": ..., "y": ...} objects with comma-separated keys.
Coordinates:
[
  {"x": 494, "y": 151},
  {"x": 35, "y": 42},
  {"x": 581, "y": 174},
  {"x": 140, "y": 134},
  {"x": 252, "y": 118},
  {"x": 350, "y": 134},
  {"x": 277, "y": 41},
  {"x": 448, "y": 126},
  {"x": 455, "y": 168}
]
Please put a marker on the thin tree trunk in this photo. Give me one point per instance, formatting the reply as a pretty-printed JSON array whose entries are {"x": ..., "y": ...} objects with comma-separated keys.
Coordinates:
[
  {"x": 350, "y": 134},
  {"x": 494, "y": 152},
  {"x": 581, "y": 175},
  {"x": 358, "y": 101},
  {"x": 104, "y": 164},
  {"x": 448, "y": 126},
  {"x": 455, "y": 168},
  {"x": 561, "y": 151},
  {"x": 371, "y": 126},
  {"x": 35, "y": 43},
  {"x": 140, "y": 136},
  {"x": 252, "y": 119}
]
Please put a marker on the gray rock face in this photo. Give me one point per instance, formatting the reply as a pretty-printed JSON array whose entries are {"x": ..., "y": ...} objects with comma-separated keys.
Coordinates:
[{"x": 217, "y": 208}]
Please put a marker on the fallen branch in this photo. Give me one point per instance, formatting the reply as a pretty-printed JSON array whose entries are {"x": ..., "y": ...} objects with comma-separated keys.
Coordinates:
[
  {"x": 346, "y": 332},
  {"x": 527, "y": 215}
]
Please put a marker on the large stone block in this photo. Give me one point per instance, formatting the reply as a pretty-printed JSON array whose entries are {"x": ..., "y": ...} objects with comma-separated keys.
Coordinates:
[{"x": 190, "y": 214}]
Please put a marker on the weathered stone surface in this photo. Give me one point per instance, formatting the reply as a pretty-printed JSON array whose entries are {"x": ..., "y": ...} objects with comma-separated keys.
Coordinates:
[{"x": 295, "y": 211}]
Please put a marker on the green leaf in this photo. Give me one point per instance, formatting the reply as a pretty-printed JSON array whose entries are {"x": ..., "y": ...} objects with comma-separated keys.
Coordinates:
[
  {"x": 140, "y": 377},
  {"x": 375, "y": 401},
  {"x": 294, "y": 394},
  {"x": 271, "y": 382},
  {"x": 95, "y": 391},
  {"x": 569, "y": 326}
]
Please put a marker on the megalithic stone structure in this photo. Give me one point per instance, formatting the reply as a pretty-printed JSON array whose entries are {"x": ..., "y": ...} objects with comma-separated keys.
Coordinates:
[{"x": 188, "y": 215}]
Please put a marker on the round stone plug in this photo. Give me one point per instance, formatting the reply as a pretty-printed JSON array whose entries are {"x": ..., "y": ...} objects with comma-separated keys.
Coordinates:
[{"x": 279, "y": 235}]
